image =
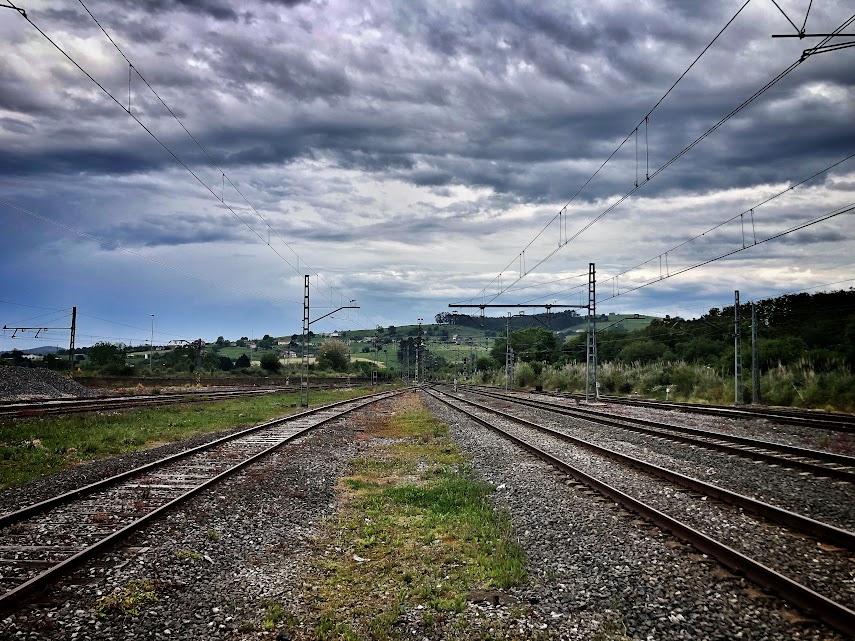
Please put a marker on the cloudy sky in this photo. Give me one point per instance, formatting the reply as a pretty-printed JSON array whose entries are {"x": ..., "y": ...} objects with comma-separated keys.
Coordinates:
[{"x": 408, "y": 152}]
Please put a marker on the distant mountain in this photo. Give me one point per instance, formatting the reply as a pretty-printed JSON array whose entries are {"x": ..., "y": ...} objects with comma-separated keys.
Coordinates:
[{"x": 48, "y": 349}]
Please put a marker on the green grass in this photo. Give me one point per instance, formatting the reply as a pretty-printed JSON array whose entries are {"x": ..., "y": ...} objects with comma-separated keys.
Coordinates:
[
  {"x": 32, "y": 448},
  {"x": 129, "y": 599},
  {"x": 415, "y": 528}
]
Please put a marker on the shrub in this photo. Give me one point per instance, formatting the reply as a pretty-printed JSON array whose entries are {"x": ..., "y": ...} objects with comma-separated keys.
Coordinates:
[
  {"x": 524, "y": 375},
  {"x": 270, "y": 362}
]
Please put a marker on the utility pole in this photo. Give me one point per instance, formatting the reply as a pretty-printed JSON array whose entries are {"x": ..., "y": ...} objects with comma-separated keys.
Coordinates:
[
  {"x": 737, "y": 352},
  {"x": 39, "y": 330},
  {"x": 151, "y": 347},
  {"x": 755, "y": 361},
  {"x": 374, "y": 369},
  {"x": 198, "y": 345},
  {"x": 71, "y": 341},
  {"x": 418, "y": 352},
  {"x": 508, "y": 384},
  {"x": 591, "y": 366},
  {"x": 304, "y": 369}
]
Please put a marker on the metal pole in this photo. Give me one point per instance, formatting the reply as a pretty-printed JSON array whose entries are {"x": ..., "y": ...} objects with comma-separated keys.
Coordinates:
[
  {"x": 151, "y": 347},
  {"x": 755, "y": 361},
  {"x": 71, "y": 341},
  {"x": 304, "y": 366},
  {"x": 198, "y": 345},
  {"x": 737, "y": 352},
  {"x": 591, "y": 343},
  {"x": 419, "y": 354},
  {"x": 508, "y": 353},
  {"x": 374, "y": 369}
]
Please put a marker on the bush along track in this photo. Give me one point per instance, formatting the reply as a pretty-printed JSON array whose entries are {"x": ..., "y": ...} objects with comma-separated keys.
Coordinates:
[{"x": 415, "y": 547}]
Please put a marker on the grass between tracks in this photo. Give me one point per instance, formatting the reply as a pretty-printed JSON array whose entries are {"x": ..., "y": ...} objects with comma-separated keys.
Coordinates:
[
  {"x": 33, "y": 447},
  {"x": 415, "y": 534}
]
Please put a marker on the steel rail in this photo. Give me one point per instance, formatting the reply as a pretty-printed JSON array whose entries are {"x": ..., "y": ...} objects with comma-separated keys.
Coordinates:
[
  {"x": 12, "y": 599},
  {"x": 750, "y": 448},
  {"x": 10, "y": 518},
  {"x": 19, "y": 409},
  {"x": 804, "y": 418},
  {"x": 807, "y": 600},
  {"x": 805, "y": 524}
]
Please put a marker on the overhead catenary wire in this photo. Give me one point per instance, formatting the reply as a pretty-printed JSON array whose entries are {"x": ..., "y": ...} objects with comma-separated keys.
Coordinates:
[
  {"x": 667, "y": 164},
  {"x": 225, "y": 177},
  {"x": 178, "y": 159},
  {"x": 645, "y": 120},
  {"x": 751, "y": 210},
  {"x": 837, "y": 212},
  {"x": 780, "y": 76}
]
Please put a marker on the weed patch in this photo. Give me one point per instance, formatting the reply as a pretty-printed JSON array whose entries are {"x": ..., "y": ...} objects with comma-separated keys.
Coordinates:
[
  {"x": 64, "y": 441},
  {"x": 129, "y": 599},
  {"x": 415, "y": 534}
]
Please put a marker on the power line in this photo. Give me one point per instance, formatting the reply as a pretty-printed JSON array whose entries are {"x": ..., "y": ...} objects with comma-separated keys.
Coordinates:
[
  {"x": 671, "y": 161},
  {"x": 9, "y": 302},
  {"x": 174, "y": 155},
  {"x": 780, "y": 76},
  {"x": 644, "y": 121},
  {"x": 213, "y": 162},
  {"x": 838, "y": 212},
  {"x": 750, "y": 211}
]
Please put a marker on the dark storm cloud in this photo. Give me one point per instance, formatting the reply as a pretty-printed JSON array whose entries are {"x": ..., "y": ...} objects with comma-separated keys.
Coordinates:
[
  {"x": 516, "y": 145},
  {"x": 178, "y": 229},
  {"x": 219, "y": 10},
  {"x": 17, "y": 126},
  {"x": 523, "y": 100}
]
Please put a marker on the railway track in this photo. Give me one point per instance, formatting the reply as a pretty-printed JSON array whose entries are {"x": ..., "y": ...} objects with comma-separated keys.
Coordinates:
[
  {"x": 41, "y": 542},
  {"x": 817, "y": 462},
  {"x": 781, "y": 559},
  {"x": 837, "y": 422},
  {"x": 21, "y": 409}
]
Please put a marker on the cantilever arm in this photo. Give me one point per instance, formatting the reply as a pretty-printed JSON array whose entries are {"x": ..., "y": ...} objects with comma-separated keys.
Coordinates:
[{"x": 333, "y": 312}]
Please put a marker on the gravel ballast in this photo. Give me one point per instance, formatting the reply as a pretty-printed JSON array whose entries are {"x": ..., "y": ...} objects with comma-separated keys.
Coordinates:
[
  {"x": 38, "y": 383},
  {"x": 589, "y": 556},
  {"x": 219, "y": 563},
  {"x": 819, "y": 497}
]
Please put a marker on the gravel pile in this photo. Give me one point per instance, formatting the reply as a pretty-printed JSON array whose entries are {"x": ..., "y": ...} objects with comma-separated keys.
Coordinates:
[
  {"x": 29, "y": 383},
  {"x": 589, "y": 556}
]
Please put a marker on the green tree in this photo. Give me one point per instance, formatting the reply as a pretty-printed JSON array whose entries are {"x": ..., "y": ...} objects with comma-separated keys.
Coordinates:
[
  {"x": 243, "y": 361},
  {"x": 210, "y": 361},
  {"x": 332, "y": 355},
  {"x": 226, "y": 363},
  {"x": 484, "y": 363},
  {"x": 104, "y": 354},
  {"x": 644, "y": 351},
  {"x": 529, "y": 344},
  {"x": 182, "y": 358},
  {"x": 270, "y": 362}
]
